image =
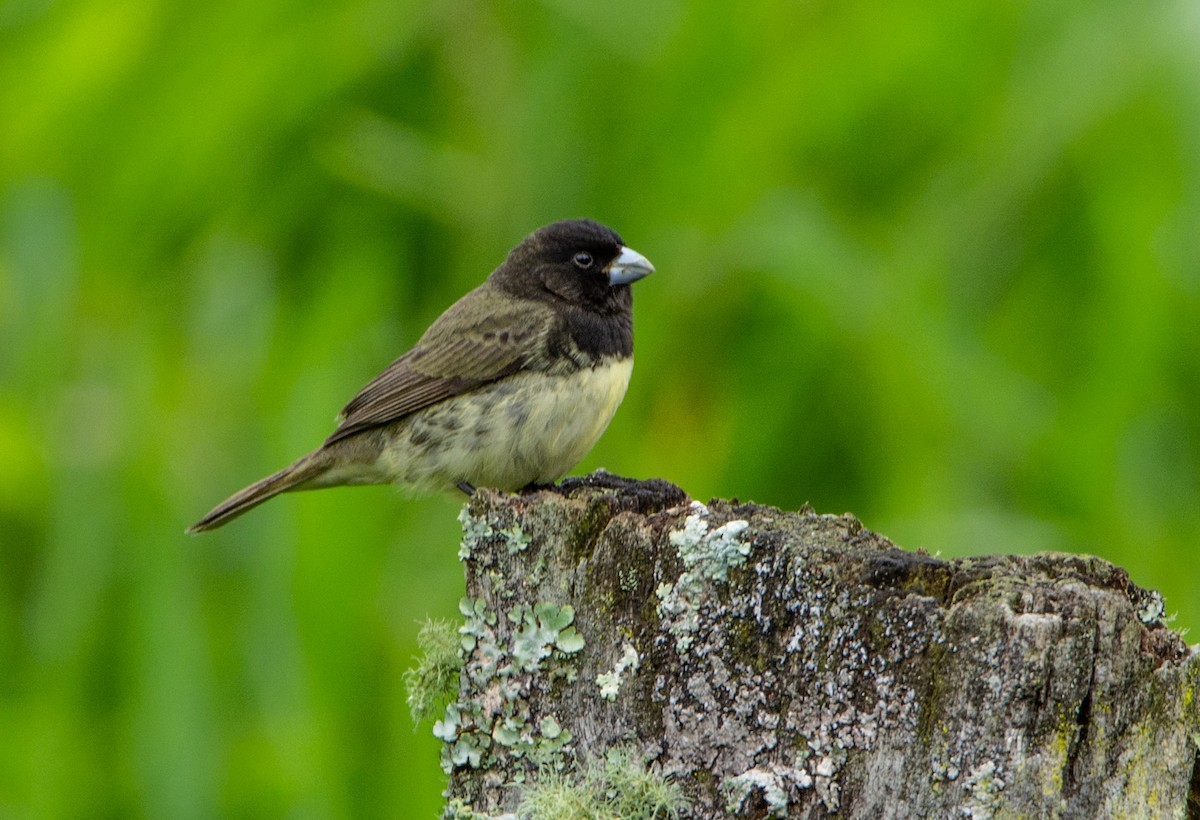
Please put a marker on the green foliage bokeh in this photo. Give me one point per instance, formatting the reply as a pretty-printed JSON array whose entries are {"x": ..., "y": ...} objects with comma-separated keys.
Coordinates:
[{"x": 937, "y": 264}]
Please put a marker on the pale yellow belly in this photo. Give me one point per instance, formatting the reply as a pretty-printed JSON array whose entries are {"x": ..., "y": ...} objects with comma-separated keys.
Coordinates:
[{"x": 517, "y": 432}]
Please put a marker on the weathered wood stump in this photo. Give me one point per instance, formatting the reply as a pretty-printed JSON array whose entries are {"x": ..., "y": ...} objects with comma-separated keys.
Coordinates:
[{"x": 765, "y": 663}]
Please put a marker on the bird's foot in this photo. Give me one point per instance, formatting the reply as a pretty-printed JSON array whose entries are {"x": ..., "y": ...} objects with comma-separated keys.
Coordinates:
[{"x": 533, "y": 487}]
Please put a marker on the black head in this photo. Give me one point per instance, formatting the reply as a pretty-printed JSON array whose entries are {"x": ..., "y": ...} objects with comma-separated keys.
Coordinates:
[{"x": 577, "y": 261}]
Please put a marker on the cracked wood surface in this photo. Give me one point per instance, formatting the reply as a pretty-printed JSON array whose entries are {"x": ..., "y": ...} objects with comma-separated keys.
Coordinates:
[{"x": 798, "y": 665}]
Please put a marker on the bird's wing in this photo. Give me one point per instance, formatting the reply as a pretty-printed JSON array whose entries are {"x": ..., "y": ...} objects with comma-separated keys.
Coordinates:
[{"x": 461, "y": 351}]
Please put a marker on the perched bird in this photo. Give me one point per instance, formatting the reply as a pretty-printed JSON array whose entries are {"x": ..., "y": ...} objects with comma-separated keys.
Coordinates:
[{"x": 510, "y": 387}]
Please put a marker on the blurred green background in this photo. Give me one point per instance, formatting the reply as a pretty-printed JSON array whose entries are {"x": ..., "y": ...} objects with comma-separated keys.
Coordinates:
[{"x": 934, "y": 263}]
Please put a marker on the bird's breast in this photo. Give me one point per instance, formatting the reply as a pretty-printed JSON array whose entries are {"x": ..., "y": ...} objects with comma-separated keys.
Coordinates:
[{"x": 528, "y": 428}]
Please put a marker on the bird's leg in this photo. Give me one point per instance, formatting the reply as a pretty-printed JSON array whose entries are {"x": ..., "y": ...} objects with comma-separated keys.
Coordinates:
[{"x": 466, "y": 487}]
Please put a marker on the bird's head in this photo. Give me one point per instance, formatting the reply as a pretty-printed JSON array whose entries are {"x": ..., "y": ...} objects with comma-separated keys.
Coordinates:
[{"x": 578, "y": 261}]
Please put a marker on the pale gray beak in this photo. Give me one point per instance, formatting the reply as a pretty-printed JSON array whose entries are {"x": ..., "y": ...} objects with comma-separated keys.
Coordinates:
[{"x": 629, "y": 266}]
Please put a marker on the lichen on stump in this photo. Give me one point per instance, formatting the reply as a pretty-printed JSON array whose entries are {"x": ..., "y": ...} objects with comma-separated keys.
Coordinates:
[{"x": 775, "y": 664}]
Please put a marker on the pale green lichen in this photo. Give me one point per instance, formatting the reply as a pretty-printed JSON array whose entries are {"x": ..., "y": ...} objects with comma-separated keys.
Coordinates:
[
  {"x": 738, "y": 789},
  {"x": 459, "y": 809},
  {"x": 1152, "y": 608},
  {"x": 465, "y": 746},
  {"x": 707, "y": 557},
  {"x": 776, "y": 783},
  {"x": 711, "y": 554},
  {"x": 499, "y": 717},
  {"x": 942, "y": 773},
  {"x": 474, "y": 530},
  {"x": 610, "y": 682},
  {"x": 983, "y": 792},
  {"x": 515, "y": 539},
  {"x": 543, "y": 629},
  {"x": 627, "y": 578},
  {"x": 478, "y": 624},
  {"x": 499, "y": 584},
  {"x": 433, "y": 680},
  {"x": 618, "y": 788}
]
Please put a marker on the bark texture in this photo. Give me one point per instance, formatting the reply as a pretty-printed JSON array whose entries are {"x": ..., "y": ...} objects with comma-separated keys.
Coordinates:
[{"x": 778, "y": 664}]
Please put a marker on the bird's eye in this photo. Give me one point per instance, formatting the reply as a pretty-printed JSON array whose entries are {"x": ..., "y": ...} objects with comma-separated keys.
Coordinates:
[{"x": 583, "y": 259}]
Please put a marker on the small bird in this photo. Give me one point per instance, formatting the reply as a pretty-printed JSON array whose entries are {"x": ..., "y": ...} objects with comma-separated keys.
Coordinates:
[{"x": 509, "y": 388}]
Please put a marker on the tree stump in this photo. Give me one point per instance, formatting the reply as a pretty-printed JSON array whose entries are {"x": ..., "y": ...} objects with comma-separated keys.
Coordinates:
[{"x": 750, "y": 662}]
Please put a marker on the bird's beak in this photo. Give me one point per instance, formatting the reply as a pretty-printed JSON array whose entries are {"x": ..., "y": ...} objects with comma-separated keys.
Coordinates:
[{"x": 629, "y": 266}]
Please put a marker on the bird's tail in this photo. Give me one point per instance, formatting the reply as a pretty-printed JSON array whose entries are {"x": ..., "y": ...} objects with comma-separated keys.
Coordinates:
[{"x": 303, "y": 470}]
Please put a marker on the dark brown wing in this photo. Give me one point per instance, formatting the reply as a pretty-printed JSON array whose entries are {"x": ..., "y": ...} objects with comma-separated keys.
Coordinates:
[{"x": 480, "y": 339}]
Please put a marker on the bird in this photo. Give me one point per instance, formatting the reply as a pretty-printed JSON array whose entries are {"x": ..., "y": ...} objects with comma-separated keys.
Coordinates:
[{"x": 508, "y": 389}]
